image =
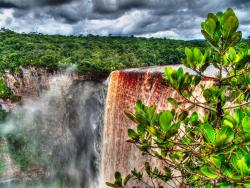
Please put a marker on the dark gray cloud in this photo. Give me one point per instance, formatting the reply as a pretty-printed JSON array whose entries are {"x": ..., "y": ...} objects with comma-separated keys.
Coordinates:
[
  {"x": 7, "y": 5},
  {"x": 24, "y": 4},
  {"x": 158, "y": 18}
]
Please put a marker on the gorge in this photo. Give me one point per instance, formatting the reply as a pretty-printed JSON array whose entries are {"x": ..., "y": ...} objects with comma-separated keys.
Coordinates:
[{"x": 58, "y": 135}]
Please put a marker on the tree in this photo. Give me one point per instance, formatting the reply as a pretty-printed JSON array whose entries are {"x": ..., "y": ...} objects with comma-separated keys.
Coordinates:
[{"x": 208, "y": 142}]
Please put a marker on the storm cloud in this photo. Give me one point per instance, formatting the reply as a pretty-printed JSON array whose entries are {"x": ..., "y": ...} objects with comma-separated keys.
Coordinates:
[
  {"x": 178, "y": 19},
  {"x": 24, "y": 4}
]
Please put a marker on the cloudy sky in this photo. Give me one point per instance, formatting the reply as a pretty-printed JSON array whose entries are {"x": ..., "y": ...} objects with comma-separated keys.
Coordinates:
[{"x": 179, "y": 19}]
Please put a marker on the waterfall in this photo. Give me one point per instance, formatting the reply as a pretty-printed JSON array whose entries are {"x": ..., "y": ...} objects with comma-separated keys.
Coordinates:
[
  {"x": 54, "y": 139},
  {"x": 60, "y": 138},
  {"x": 125, "y": 88}
]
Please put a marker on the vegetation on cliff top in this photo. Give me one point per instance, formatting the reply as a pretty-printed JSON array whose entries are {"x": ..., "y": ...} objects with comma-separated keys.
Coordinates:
[
  {"x": 206, "y": 134},
  {"x": 90, "y": 53}
]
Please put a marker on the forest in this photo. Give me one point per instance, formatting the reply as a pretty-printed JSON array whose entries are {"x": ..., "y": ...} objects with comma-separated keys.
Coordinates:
[{"x": 89, "y": 53}]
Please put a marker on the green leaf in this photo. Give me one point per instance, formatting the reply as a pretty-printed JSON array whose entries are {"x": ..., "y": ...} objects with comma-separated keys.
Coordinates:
[
  {"x": 228, "y": 121},
  {"x": 229, "y": 23},
  {"x": 247, "y": 185},
  {"x": 147, "y": 168},
  {"x": 131, "y": 116},
  {"x": 232, "y": 54},
  {"x": 224, "y": 17},
  {"x": 242, "y": 165},
  {"x": 194, "y": 117},
  {"x": 217, "y": 160},
  {"x": 173, "y": 101},
  {"x": 188, "y": 61},
  {"x": 208, "y": 186},
  {"x": 235, "y": 38},
  {"x": 238, "y": 115},
  {"x": 188, "y": 52},
  {"x": 151, "y": 114},
  {"x": 132, "y": 134},
  {"x": 165, "y": 120},
  {"x": 173, "y": 129},
  {"x": 139, "y": 105},
  {"x": 112, "y": 185},
  {"x": 224, "y": 136},
  {"x": 228, "y": 172},
  {"x": 246, "y": 124},
  {"x": 186, "y": 81},
  {"x": 224, "y": 185},
  {"x": 197, "y": 55},
  {"x": 183, "y": 115},
  {"x": 179, "y": 74},
  {"x": 230, "y": 26},
  {"x": 171, "y": 77},
  {"x": 118, "y": 178},
  {"x": 233, "y": 161},
  {"x": 168, "y": 73},
  {"x": 196, "y": 80},
  {"x": 209, "y": 39},
  {"x": 208, "y": 132},
  {"x": 126, "y": 179},
  {"x": 209, "y": 172},
  {"x": 152, "y": 131},
  {"x": 209, "y": 26}
]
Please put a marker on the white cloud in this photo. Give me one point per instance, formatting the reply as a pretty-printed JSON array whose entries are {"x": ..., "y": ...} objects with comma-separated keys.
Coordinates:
[
  {"x": 6, "y": 17},
  {"x": 123, "y": 25},
  {"x": 161, "y": 34}
]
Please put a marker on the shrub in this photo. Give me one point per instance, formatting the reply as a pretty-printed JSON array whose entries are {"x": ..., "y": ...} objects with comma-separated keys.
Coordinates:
[{"x": 208, "y": 145}]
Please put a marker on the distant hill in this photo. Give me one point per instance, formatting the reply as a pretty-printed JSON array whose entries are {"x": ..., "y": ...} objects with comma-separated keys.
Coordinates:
[{"x": 90, "y": 53}]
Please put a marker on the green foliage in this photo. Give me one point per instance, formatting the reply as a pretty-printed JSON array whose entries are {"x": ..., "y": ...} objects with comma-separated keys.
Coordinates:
[
  {"x": 20, "y": 150},
  {"x": 6, "y": 93},
  {"x": 119, "y": 182},
  {"x": 88, "y": 54},
  {"x": 208, "y": 145}
]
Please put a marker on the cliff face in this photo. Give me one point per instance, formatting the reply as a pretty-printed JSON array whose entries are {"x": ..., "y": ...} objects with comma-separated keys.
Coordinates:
[
  {"x": 125, "y": 88},
  {"x": 31, "y": 81}
]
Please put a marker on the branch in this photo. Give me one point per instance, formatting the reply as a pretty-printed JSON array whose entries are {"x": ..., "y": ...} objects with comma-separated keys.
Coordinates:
[
  {"x": 196, "y": 99},
  {"x": 243, "y": 104},
  {"x": 197, "y": 104},
  {"x": 229, "y": 77},
  {"x": 242, "y": 92},
  {"x": 235, "y": 75},
  {"x": 203, "y": 75}
]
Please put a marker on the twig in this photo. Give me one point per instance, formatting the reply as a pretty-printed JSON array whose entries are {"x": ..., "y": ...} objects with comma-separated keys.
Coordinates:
[
  {"x": 196, "y": 104},
  {"x": 243, "y": 104}
]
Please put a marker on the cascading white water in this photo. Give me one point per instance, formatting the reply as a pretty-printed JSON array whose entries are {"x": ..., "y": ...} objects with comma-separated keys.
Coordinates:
[{"x": 56, "y": 137}]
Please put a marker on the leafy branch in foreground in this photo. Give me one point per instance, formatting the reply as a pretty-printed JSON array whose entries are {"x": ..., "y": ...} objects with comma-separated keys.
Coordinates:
[{"x": 206, "y": 135}]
